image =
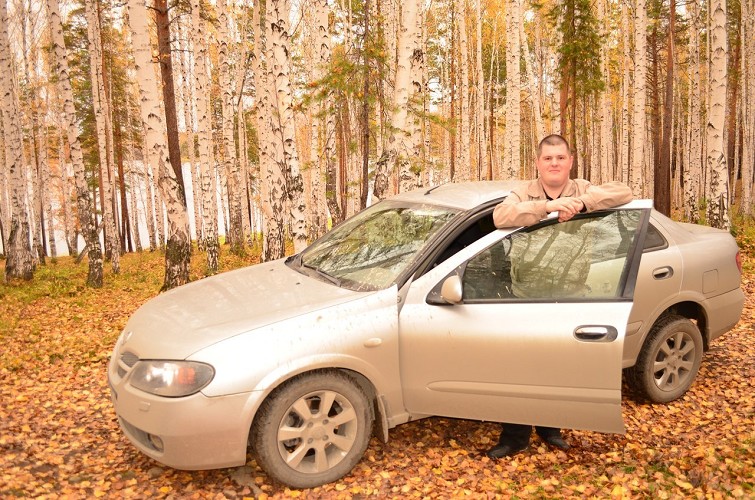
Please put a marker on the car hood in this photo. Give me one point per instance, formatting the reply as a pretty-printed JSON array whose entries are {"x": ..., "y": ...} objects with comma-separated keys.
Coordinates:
[{"x": 191, "y": 317}]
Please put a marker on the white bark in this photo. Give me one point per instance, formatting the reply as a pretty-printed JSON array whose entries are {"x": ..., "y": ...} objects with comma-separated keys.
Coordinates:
[
  {"x": 463, "y": 166},
  {"x": 322, "y": 149},
  {"x": 232, "y": 170},
  {"x": 748, "y": 104},
  {"x": 624, "y": 162},
  {"x": 639, "y": 117},
  {"x": 400, "y": 144},
  {"x": 482, "y": 143},
  {"x": 605, "y": 165},
  {"x": 693, "y": 153},
  {"x": 178, "y": 249},
  {"x": 83, "y": 198},
  {"x": 718, "y": 206},
  {"x": 279, "y": 33},
  {"x": 512, "y": 141},
  {"x": 101, "y": 106},
  {"x": 204, "y": 131},
  {"x": 534, "y": 85},
  {"x": 272, "y": 183},
  {"x": 19, "y": 262}
]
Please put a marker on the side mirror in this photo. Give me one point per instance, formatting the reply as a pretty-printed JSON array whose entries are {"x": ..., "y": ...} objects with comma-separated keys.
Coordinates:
[{"x": 451, "y": 291}]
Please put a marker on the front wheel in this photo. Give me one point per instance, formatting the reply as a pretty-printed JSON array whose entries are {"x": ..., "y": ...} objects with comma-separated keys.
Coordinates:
[
  {"x": 313, "y": 429},
  {"x": 669, "y": 360}
]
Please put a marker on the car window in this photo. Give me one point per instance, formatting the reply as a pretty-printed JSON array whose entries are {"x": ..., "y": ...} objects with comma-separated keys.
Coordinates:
[
  {"x": 654, "y": 240},
  {"x": 370, "y": 250},
  {"x": 585, "y": 257},
  {"x": 473, "y": 232}
]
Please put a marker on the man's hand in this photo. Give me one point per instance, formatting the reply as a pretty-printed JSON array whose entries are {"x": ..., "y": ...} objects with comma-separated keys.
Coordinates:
[{"x": 566, "y": 207}]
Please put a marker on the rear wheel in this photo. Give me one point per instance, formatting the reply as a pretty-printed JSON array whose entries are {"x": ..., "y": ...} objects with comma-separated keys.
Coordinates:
[
  {"x": 313, "y": 429},
  {"x": 669, "y": 360}
]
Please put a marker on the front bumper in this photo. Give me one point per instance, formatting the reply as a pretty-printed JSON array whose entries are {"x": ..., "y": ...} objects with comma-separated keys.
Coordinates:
[{"x": 191, "y": 433}]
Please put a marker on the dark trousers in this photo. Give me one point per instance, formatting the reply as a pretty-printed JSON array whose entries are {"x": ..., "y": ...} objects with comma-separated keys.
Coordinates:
[{"x": 519, "y": 434}]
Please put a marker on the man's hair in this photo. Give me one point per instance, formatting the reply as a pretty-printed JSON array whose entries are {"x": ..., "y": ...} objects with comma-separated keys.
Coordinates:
[{"x": 552, "y": 140}]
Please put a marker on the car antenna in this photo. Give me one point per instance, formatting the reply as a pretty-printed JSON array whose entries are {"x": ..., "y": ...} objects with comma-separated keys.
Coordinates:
[{"x": 434, "y": 188}]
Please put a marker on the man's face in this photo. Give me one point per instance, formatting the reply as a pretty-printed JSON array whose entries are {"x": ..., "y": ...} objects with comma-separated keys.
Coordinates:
[{"x": 554, "y": 164}]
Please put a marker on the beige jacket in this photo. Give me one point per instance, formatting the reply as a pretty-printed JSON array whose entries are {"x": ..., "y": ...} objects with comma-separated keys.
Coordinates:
[{"x": 526, "y": 205}]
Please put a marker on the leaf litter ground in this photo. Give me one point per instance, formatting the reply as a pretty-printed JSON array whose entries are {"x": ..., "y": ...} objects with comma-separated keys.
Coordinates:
[{"x": 59, "y": 437}]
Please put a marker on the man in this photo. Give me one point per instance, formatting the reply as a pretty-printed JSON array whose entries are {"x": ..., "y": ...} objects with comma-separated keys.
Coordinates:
[{"x": 552, "y": 191}]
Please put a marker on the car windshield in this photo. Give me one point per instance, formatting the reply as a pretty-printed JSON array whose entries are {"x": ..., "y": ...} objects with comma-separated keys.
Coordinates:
[{"x": 370, "y": 250}]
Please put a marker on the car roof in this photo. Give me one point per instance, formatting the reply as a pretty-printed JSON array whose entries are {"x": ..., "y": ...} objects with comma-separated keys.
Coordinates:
[
  {"x": 462, "y": 195},
  {"x": 470, "y": 194}
]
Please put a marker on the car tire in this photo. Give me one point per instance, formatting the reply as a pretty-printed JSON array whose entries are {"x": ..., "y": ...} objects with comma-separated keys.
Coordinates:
[
  {"x": 669, "y": 360},
  {"x": 302, "y": 446}
]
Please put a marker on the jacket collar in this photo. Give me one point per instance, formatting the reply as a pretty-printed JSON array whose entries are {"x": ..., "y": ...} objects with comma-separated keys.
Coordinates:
[{"x": 535, "y": 189}]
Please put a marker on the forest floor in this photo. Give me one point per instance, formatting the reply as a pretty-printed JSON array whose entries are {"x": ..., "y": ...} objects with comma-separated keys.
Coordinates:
[{"x": 59, "y": 436}]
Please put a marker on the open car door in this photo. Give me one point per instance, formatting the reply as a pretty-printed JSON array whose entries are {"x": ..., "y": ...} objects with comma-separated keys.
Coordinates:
[{"x": 527, "y": 326}]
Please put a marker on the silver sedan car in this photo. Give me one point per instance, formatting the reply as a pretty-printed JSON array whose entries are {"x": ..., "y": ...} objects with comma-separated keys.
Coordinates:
[{"x": 419, "y": 306}]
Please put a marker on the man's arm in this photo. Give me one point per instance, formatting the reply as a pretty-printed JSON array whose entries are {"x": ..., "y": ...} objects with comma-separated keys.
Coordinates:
[
  {"x": 513, "y": 212},
  {"x": 608, "y": 195}
]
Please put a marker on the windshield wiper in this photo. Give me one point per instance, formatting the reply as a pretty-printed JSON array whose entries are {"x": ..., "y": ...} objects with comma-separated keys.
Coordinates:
[{"x": 323, "y": 274}]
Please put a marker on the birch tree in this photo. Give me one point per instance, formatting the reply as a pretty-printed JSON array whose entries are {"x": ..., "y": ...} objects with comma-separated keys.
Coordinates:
[
  {"x": 59, "y": 67},
  {"x": 512, "y": 141},
  {"x": 399, "y": 146},
  {"x": 693, "y": 179},
  {"x": 482, "y": 143},
  {"x": 232, "y": 171},
  {"x": 748, "y": 104},
  {"x": 279, "y": 34},
  {"x": 272, "y": 185},
  {"x": 624, "y": 165},
  {"x": 322, "y": 151},
  {"x": 19, "y": 262},
  {"x": 178, "y": 246},
  {"x": 639, "y": 119},
  {"x": 464, "y": 168},
  {"x": 101, "y": 107},
  {"x": 208, "y": 185},
  {"x": 718, "y": 205}
]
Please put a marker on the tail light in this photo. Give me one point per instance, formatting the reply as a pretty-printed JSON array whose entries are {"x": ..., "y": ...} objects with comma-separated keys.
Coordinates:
[{"x": 738, "y": 258}]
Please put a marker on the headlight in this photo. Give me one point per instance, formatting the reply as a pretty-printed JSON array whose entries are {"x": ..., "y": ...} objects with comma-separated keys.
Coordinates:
[{"x": 171, "y": 379}]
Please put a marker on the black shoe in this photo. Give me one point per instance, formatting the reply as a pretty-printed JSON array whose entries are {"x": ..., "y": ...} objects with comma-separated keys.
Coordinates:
[
  {"x": 556, "y": 442},
  {"x": 504, "y": 450}
]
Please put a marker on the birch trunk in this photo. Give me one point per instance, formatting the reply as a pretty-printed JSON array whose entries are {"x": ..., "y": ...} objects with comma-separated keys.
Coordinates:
[
  {"x": 718, "y": 207},
  {"x": 232, "y": 171},
  {"x": 208, "y": 183},
  {"x": 83, "y": 199},
  {"x": 186, "y": 100},
  {"x": 639, "y": 117},
  {"x": 605, "y": 165},
  {"x": 482, "y": 143},
  {"x": 271, "y": 178},
  {"x": 399, "y": 146},
  {"x": 178, "y": 247},
  {"x": 535, "y": 87},
  {"x": 323, "y": 128},
  {"x": 748, "y": 104},
  {"x": 35, "y": 134},
  {"x": 279, "y": 32},
  {"x": 101, "y": 106},
  {"x": 19, "y": 262},
  {"x": 693, "y": 179},
  {"x": 624, "y": 163},
  {"x": 512, "y": 143},
  {"x": 464, "y": 166}
]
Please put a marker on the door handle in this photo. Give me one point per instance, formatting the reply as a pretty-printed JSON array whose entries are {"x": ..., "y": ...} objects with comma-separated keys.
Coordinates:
[
  {"x": 596, "y": 333},
  {"x": 662, "y": 273}
]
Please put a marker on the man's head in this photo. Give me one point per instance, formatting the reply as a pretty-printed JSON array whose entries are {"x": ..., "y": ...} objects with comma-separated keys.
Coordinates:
[{"x": 554, "y": 161}]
